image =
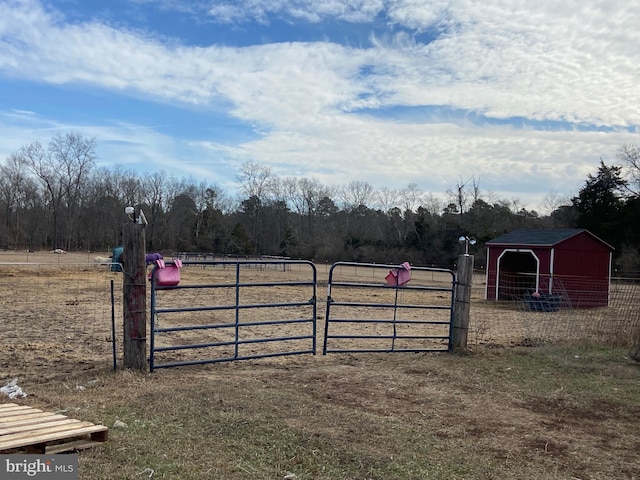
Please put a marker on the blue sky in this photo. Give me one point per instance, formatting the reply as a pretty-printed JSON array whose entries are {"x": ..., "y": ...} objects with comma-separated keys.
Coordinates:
[{"x": 525, "y": 96}]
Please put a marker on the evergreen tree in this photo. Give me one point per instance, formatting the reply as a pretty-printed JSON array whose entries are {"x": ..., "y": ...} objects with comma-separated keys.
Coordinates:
[{"x": 600, "y": 202}]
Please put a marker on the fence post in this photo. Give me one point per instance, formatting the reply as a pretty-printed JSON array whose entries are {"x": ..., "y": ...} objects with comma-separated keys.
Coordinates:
[
  {"x": 461, "y": 307},
  {"x": 134, "y": 282}
]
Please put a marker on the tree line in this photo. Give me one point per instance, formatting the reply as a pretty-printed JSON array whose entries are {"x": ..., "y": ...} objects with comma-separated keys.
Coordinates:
[{"x": 54, "y": 196}]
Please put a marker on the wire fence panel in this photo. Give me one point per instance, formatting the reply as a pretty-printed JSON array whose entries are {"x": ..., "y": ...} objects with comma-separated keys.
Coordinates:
[
  {"x": 525, "y": 319},
  {"x": 58, "y": 317}
]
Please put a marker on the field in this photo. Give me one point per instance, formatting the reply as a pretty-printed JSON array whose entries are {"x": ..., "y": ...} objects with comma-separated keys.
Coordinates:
[{"x": 505, "y": 410}]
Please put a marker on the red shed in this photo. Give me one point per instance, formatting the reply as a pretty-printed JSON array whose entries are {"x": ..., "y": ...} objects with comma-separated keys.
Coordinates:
[{"x": 568, "y": 264}]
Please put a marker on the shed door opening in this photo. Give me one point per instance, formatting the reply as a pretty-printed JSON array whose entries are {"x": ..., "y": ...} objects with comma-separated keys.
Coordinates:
[{"x": 518, "y": 275}]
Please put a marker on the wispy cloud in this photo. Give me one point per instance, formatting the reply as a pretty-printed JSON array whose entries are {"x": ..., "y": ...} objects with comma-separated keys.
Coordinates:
[
  {"x": 504, "y": 62},
  {"x": 308, "y": 10},
  {"x": 310, "y": 102}
]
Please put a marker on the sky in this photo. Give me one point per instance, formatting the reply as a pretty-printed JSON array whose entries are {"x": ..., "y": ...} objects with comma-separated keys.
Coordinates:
[{"x": 524, "y": 97}]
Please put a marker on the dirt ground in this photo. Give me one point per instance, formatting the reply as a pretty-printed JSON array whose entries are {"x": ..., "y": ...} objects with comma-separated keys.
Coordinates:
[{"x": 57, "y": 312}]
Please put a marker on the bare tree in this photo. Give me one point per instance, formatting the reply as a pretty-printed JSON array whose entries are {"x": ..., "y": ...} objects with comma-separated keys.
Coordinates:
[
  {"x": 306, "y": 197},
  {"x": 207, "y": 199},
  {"x": 411, "y": 197},
  {"x": 153, "y": 189},
  {"x": 255, "y": 180},
  {"x": 629, "y": 155},
  {"x": 130, "y": 187},
  {"x": 288, "y": 187},
  {"x": 553, "y": 200},
  {"x": 355, "y": 194},
  {"x": 312, "y": 192},
  {"x": 76, "y": 156},
  {"x": 62, "y": 170},
  {"x": 256, "y": 184},
  {"x": 516, "y": 205},
  {"x": 432, "y": 204},
  {"x": 387, "y": 198},
  {"x": 14, "y": 186},
  {"x": 460, "y": 196},
  {"x": 476, "y": 189},
  {"x": 35, "y": 157}
]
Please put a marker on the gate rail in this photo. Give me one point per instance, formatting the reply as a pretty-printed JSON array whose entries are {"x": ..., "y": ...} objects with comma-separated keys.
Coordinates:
[
  {"x": 416, "y": 317},
  {"x": 219, "y": 324}
]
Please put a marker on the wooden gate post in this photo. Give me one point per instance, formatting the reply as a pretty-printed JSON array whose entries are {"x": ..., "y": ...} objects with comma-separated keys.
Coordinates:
[
  {"x": 462, "y": 305},
  {"x": 134, "y": 284}
]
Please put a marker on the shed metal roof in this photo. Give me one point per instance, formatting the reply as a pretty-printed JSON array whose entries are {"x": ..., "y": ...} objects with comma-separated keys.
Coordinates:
[{"x": 540, "y": 237}]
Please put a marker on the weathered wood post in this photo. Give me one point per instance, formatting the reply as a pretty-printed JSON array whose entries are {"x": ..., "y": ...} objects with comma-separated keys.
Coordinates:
[
  {"x": 462, "y": 305},
  {"x": 134, "y": 283}
]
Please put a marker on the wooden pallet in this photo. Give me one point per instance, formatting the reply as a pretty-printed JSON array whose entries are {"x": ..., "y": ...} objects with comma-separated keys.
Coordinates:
[{"x": 27, "y": 429}]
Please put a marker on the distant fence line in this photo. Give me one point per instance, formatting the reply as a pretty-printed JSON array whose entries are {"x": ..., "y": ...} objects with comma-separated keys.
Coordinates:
[
  {"x": 252, "y": 260},
  {"x": 219, "y": 257}
]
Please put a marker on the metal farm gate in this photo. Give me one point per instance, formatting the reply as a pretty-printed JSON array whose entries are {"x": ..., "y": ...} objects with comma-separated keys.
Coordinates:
[
  {"x": 233, "y": 310},
  {"x": 367, "y": 311}
]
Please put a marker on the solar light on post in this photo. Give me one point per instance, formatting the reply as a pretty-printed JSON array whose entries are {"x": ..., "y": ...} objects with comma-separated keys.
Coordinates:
[
  {"x": 462, "y": 306},
  {"x": 129, "y": 211},
  {"x": 467, "y": 241}
]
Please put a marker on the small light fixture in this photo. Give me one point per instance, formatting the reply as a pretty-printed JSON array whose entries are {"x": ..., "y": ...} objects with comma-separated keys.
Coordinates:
[{"x": 129, "y": 211}]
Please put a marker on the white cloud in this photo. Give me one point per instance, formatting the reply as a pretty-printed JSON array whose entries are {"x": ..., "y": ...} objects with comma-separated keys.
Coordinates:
[
  {"x": 574, "y": 61},
  {"x": 313, "y": 11},
  {"x": 513, "y": 163},
  {"x": 503, "y": 62},
  {"x": 418, "y": 14}
]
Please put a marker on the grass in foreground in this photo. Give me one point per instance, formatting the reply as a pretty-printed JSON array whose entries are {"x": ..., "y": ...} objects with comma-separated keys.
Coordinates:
[{"x": 543, "y": 413}]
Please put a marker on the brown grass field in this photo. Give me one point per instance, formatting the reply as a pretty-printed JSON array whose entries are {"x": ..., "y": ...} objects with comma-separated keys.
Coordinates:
[{"x": 503, "y": 410}]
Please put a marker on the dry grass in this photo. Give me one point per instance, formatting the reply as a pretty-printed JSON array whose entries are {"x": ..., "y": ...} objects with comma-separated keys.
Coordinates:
[{"x": 546, "y": 413}]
